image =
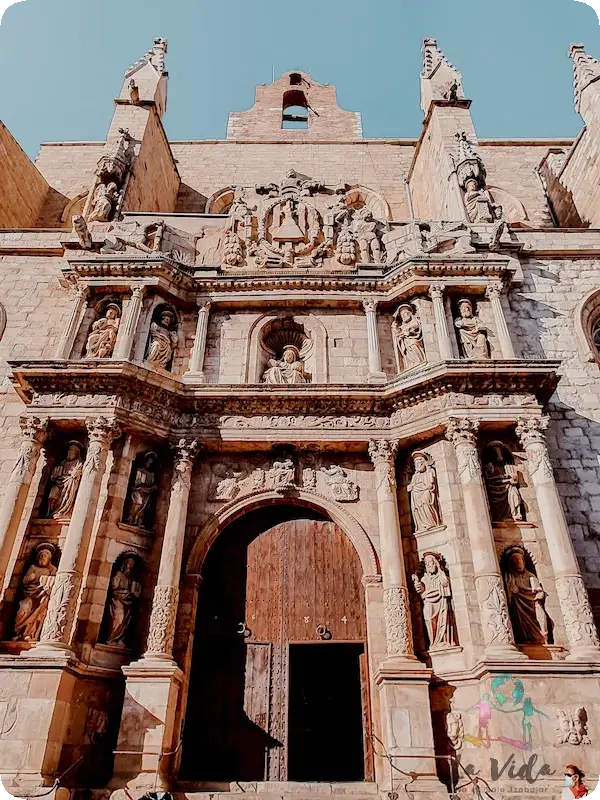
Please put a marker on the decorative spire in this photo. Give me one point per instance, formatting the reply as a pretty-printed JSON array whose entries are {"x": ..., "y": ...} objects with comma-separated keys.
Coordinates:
[
  {"x": 586, "y": 70},
  {"x": 155, "y": 56},
  {"x": 432, "y": 58}
]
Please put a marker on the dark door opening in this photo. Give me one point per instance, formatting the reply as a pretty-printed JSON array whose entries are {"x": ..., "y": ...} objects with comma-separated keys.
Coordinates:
[{"x": 325, "y": 713}]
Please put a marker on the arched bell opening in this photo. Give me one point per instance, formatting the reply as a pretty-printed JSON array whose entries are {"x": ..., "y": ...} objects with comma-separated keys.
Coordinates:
[{"x": 278, "y": 685}]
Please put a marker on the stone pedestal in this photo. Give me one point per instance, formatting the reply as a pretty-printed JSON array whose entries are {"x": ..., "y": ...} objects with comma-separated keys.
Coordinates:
[{"x": 147, "y": 734}]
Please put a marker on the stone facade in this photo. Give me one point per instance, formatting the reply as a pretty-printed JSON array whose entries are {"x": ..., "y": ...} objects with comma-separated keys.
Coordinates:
[{"x": 400, "y": 339}]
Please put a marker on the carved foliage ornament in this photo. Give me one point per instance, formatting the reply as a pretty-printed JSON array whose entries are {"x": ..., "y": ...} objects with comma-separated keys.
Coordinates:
[
  {"x": 462, "y": 432},
  {"x": 162, "y": 620},
  {"x": 382, "y": 453},
  {"x": 397, "y": 621},
  {"x": 34, "y": 431},
  {"x": 577, "y": 613},
  {"x": 494, "y": 610}
]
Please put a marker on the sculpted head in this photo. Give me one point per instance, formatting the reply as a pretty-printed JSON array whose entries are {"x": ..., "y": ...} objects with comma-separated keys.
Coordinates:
[
  {"x": 516, "y": 560},
  {"x": 43, "y": 557},
  {"x": 113, "y": 311},
  {"x": 128, "y": 566},
  {"x": 431, "y": 564},
  {"x": 290, "y": 354},
  {"x": 406, "y": 313},
  {"x": 465, "y": 308},
  {"x": 167, "y": 319},
  {"x": 421, "y": 461},
  {"x": 74, "y": 451}
]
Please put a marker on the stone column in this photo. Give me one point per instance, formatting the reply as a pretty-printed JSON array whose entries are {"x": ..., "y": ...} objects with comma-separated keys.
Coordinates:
[
  {"x": 493, "y": 292},
  {"x": 375, "y": 373},
  {"x": 59, "y": 622},
  {"x": 395, "y": 592},
  {"x": 580, "y": 627},
  {"x": 129, "y": 323},
  {"x": 67, "y": 340},
  {"x": 495, "y": 619},
  {"x": 34, "y": 433},
  {"x": 166, "y": 592},
  {"x": 436, "y": 292},
  {"x": 195, "y": 373}
]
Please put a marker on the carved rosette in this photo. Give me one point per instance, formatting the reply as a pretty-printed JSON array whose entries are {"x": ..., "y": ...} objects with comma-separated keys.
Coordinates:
[
  {"x": 575, "y": 605},
  {"x": 382, "y": 453},
  {"x": 396, "y": 612},
  {"x": 462, "y": 432},
  {"x": 60, "y": 607},
  {"x": 494, "y": 610},
  {"x": 34, "y": 432},
  {"x": 531, "y": 433},
  {"x": 161, "y": 634}
]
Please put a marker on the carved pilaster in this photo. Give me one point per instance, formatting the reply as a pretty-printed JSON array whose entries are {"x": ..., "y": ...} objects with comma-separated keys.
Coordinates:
[
  {"x": 396, "y": 609},
  {"x": 495, "y": 618},
  {"x": 375, "y": 373},
  {"x": 494, "y": 292},
  {"x": 574, "y": 601},
  {"x": 436, "y": 292},
  {"x": 77, "y": 311},
  {"x": 162, "y": 621}
]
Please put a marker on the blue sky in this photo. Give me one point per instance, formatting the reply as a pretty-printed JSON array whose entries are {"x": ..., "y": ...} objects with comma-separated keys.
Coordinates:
[{"x": 62, "y": 61}]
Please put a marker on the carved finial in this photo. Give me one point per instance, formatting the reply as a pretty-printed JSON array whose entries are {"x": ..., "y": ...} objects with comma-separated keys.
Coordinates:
[
  {"x": 440, "y": 80},
  {"x": 155, "y": 56},
  {"x": 586, "y": 70}
]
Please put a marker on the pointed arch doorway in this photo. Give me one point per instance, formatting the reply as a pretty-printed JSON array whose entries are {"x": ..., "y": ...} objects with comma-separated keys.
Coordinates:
[{"x": 279, "y": 681}]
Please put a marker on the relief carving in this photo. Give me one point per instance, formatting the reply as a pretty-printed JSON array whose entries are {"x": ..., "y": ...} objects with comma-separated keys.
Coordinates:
[
  {"x": 575, "y": 606},
  {"x": 408, "y": 337},
  {"x": 228, "y": 481},
  {"x": 494, "y": 610},
  {"x": 342, "y": 488},
  {"x": 571, "y": 725},
  {"x": 397, "y": 621},
  {"x": 36, "y": 587},
  {"x": 502, "y": 483},
  {"x": 65, "y": 478},
  {"x": 162, "y": 620},
  {"x": 423, "y": 491},
  {"x": 63, "y": 596},
  {"x": 101, "y": 341},
  {"x": 472, "y": 333},
  {"x": 455, "y": 729},
  {"x": 432, "y": 584},
  {"x": 283, "y": 474}
]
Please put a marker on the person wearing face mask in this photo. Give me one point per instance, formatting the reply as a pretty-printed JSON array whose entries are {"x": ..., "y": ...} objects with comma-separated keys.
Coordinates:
[{"x": 574, "y": 785}]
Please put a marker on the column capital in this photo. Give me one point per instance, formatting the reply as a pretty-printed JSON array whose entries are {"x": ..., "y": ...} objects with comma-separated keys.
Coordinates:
[
  {"x": 462, "y": 430},
  {"x": 370, "y": 304},
  {"x": 102, "y": 430},
  {"x": 494, "y": 290},
  {"x": 205, "y": 304},
  {"x": 531, "y": 430},
  {"x": 138, "y": 290},
  {"x": 185, "y": 452},
  {"x": 34, "y": 431},
  {"x": 436, "y": 290},
  {"x": 383, "y": 451},
  {"x": 82, "y": 290}
]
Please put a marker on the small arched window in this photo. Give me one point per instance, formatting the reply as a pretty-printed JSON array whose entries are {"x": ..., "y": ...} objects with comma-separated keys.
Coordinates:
[
  {"x": 295, "y": 111},
  {"x": 596, "y": 337},
  {"x": 587, "y": 326}
]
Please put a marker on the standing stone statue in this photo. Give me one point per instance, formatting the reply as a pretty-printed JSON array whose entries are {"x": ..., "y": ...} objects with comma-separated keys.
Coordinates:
[
  {"x": 423, "y": 492},
  {"x": 502, "y": 482},
  {"x": 366, "y": 234},
  {"x": 123, "y": 598},
  {"x": 36, "y": 587},
  {"x": 525, "y": 600},
  {"x": 102, "y": 339},
  {"x": 290, "y": 369},
  {"x": 104, "y": 198},
  {"x": 163, "y": 340},
  {"x": 472, "y": 332},
  {"x": 142, "y": 491},
  {"x": 408, "y": 336},
  {"x": 342, "y": 488},
  {"x": 434, "y": 588},
  {"x": 64, "y": 483}
]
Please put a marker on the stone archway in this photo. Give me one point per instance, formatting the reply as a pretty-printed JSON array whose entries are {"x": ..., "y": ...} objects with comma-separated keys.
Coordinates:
[{"x": 277, "y": 580}]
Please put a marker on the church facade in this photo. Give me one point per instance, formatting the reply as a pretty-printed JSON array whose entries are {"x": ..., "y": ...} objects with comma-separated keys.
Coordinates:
[{"x": 301, "y": 473}]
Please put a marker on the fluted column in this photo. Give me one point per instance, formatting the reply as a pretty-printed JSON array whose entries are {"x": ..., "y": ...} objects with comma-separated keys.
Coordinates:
[
  {"x": 436, "y": 292},
  {"x": 129, "y": 323},
  {"x": 78, "y": 309},
  {"x": 59, "y": 622},
  {"x": 495, "y": 619},
  {"x": 396, "y": 607},
  {"x": 166, "y": 592},
  {"x": 34, "y": 433},
  {"x": 195, "y": 373},
  {"x": 493, "y": 292},
  {"x": 580, "y": 627},
  {"x": 375, "y": 373}
]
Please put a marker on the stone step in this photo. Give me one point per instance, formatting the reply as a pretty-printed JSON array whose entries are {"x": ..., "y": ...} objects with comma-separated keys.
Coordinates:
[{"x": 276, "y": 790}]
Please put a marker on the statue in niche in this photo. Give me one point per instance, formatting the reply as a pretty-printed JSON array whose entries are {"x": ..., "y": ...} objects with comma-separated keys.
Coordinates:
[
  {"x": 283, "y": 474},
  {"x": 142, "y": 491},
  {"x": 64, "y": 483},
  {"x": 472, "y": 332},
  {"x": 228, "y": 487},
  {"x": 525, "y": 600},
  {"x": 36, "y": 587},
  {"x": 571, "y": 725},
  {"x": 408, "y": 336},
  {"x": 123, "y": 598},
  {"x": 433, "y": 586},
  {"x": 365, "y": 230},
  {"x": 163, "y": 340},
  {"x": 104, "y": 198},
  {"x": 103, "y": 336},
  {"x": 423, "y": 493},
  {"x": 502, "y": 482},
  {"x": 289, "y": 369},
  {"x": 342, "y": 488},
  {"x": 478, "y": 203}
]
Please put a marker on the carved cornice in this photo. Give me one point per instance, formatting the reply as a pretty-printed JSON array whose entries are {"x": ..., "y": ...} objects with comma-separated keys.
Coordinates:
[{"x": 73, "y": 388}]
